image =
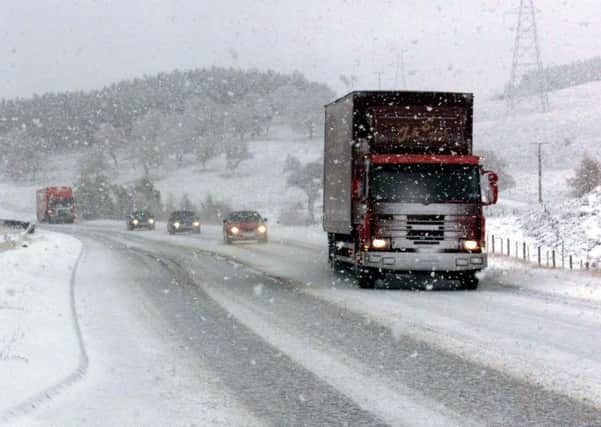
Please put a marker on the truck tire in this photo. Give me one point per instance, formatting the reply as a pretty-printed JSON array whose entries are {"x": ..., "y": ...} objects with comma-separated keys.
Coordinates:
[
  {"x": 332, "y": 262},
  {"x": 469, "y": 281},
  {"x": 366, "y": 277}
]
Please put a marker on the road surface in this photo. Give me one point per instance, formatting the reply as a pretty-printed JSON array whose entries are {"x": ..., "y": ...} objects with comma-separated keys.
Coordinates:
[{"x": 184, "y": 330}]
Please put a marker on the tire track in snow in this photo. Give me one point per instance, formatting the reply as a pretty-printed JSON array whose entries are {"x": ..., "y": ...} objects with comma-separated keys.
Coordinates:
[{"x": 32, "y": 403}]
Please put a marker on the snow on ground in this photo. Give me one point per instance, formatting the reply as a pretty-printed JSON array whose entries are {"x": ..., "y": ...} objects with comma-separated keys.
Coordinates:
[
  {"x": 39, "y": 347},
  {"x": 538, "y": 325}
]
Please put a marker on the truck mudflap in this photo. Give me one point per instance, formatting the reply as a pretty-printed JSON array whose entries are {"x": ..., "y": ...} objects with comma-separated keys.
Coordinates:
[{"x": 416, "y": 261}]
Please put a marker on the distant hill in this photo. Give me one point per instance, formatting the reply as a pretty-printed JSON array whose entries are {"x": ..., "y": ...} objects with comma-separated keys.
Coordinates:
[
  {"x": 562, "y": 76},
  {"x": 62, "y": 121}
]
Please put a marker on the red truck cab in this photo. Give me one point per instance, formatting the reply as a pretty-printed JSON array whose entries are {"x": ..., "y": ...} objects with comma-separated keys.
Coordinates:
[{"x": 55, "y": 205}]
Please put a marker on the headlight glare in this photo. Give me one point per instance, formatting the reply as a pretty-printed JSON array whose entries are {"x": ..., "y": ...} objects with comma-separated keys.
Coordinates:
[
  {"x": 151, "y": 221},
  {"x": 471, "y": 245},
  {"x": 261, "y": 229},
  {"x": 380, "y": 243},
  {"x": 135, "y": 221},
  {"x": 176, "y": 224},
  {"x": 234, "y": 230},
  {"x": 196, "y": 224}
]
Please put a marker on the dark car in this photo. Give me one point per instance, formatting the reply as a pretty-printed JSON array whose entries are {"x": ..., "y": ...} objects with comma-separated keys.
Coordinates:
[
  {"x": 140, "y": 219},
  {"x": 244, "y": 225},
  {"x": 183, "y": 221}
]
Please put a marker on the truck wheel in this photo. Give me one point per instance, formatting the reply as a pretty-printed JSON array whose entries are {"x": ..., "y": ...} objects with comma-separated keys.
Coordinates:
[
  {"x": 332, "y": 262},
  {"x": 469, "y": 281},
  {"x": 366, "y": 277},
  {"x": 226, "y": 240}
]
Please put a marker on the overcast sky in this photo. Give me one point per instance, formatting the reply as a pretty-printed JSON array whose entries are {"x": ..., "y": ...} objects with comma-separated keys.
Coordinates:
[{"x": 53, "y": 45}]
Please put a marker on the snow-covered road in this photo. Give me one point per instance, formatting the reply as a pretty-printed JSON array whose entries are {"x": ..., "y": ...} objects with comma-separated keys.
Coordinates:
[
  {"x": 184, "y": 328},
  {"x": 268, "y": 333}
]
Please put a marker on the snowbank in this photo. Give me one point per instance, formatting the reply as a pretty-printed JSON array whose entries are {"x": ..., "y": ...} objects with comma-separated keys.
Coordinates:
[{"x": 39, "y": 346}]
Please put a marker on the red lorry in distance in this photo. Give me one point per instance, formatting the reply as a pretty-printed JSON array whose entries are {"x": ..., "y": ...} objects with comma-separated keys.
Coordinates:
[
  {"x": 55, "y": 205},
  {"x": 402, "y": 190}
]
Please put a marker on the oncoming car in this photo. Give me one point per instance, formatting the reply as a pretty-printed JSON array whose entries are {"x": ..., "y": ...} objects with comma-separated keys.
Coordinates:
[
  {"x": 244, "y": 225},
  {"x": 183, "y": 221},
  {"x": 140, "y": 219}
]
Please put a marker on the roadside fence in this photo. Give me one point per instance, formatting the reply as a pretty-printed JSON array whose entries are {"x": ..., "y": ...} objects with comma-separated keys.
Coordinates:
[{"x": 557, "y": 258}]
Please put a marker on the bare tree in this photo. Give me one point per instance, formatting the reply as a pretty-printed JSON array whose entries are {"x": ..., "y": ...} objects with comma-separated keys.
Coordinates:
[
  {"x": 148, "y": 149},
  {"x": 306, "y": 177},
  {"x": 110, "y": 139},
  {"x": 587, "y": 177}
]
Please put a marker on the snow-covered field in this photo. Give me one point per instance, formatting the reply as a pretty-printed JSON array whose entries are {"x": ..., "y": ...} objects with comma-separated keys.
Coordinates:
[{"x": 39, "y": 344}]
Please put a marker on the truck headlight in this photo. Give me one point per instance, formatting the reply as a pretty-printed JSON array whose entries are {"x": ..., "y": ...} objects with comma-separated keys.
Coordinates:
[
  {"x": 151, "y": 221},
  {"x": 135, "y": 222},
  {"x": 176, "y": 224},
  {"x": 196, "y": 224},
  {"x": 471, "y": 245},
  {"x": 261, "y": 229},
  {"x": 380, "y": 243},
  {"x": 234, "y": 230}
]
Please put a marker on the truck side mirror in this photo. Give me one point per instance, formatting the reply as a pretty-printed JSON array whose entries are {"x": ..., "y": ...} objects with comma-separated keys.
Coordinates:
[
  {"x": 264, "y": 219},
  {"x": 490, "y": 189}
]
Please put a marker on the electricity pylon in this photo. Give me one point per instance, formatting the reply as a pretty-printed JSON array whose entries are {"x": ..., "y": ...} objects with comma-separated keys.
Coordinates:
[{"x": 526, "y": 59}]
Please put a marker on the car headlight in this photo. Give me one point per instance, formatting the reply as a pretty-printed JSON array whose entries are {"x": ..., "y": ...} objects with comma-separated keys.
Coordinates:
[
  {"x": 196, "y": 224},
  {"x": 234, "y": 230},
  {"x": 151, "y": 221},
  {"x": 261, "y": 229},
  {"x": 471, "y": 245},
  {"x": 176, "y": 224},
  {"x": 380, "y": 243},
  {"x": 135, "y": 221}
]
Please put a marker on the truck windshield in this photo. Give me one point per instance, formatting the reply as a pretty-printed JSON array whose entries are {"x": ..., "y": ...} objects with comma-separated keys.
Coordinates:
[
  {"x": 60, "y": 203},
  {"x": 426, "y": 183}
]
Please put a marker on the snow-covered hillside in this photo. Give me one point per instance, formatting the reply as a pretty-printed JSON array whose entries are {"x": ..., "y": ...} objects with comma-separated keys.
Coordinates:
[{"x": 571, "y": 128}]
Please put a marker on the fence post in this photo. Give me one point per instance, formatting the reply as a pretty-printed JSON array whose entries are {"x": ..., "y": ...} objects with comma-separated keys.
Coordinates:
[
  {"x": 501, "y": 240},
  {"x": 553, "y": 253},
  {"x": 586, "y": 265},
  {"x": 508, "y": 247},
  {"x": 571, "y": 262},
  {"x": 516, "y": 254},
  {"x": 563, "y": 259},
  {"x": 528, "y": 252},
  {"x": 538, "y": 249},
  {"x": 581, "y": 264},
  {"x": 493, "y": 243},
  {"x": 547, "y": 253}
]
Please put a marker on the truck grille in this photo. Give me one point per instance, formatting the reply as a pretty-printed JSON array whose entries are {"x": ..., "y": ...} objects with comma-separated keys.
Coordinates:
[
  {"x": 425, "y": 229},
  {"x": 412, "y": 232}
]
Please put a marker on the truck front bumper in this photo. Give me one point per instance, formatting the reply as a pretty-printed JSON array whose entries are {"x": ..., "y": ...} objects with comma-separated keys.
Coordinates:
[{"x": 424, "y": 261}]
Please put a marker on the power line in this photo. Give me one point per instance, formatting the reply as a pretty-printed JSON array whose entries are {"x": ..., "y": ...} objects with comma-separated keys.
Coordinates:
[
  {"x": 400, "y": 70},
  {"x": 540, "y": 169},
  {"x": 379, "y": 74},
  {"x": 526, "y": 59}
]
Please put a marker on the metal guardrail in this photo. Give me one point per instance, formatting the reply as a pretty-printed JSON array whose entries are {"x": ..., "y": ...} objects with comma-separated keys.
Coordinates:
[{"x": 14, "y": 232}]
